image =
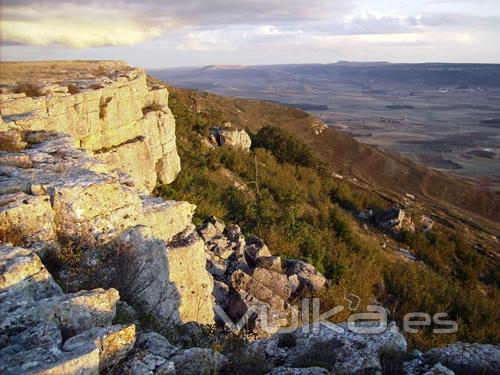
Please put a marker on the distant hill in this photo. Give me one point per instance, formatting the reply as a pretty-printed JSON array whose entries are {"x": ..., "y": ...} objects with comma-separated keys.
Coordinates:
[{"x": 434, "y": 75}]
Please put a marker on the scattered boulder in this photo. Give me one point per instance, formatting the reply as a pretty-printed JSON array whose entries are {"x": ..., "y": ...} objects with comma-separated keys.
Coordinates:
[
  {"x": 308, "y": 276},
  {"x": 276, "y": 282},
  {"x": 271, "y": 263},
  {"x": 254, "y": 249},
  {"x": 396, "y": 221},
  {"x": 233, "y": 138},
  {"x": 427, "y": 223}
]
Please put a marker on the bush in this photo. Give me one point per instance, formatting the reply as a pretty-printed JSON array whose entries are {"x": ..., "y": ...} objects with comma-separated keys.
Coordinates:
[
  {"x": 321, "y": 354},
  {"x": 73, "y": 89},
  {"x": 284, "y": 146},
  {"x": 247, "y": 362},
  {"x": 29, "y": 89}
]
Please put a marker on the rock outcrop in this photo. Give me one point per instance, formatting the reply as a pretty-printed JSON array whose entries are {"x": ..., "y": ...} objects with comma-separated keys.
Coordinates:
[
  {"x": 250, "y": 281},
  {"x": 459, "y": 358},
  {"x": 338, "y": 350},
  {"x": 35, "y": 318},
  {"x": 108, "y": 108},
  {"x": 66, "y": 193},
  {"x": 230, "y": 137}
]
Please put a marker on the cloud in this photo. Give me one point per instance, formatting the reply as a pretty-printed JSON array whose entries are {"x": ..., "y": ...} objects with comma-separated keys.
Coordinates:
[
  {"x": 244, "y": 31},
  {"x": 80, "y": 24},
  {"x": 77, "y": 25}
]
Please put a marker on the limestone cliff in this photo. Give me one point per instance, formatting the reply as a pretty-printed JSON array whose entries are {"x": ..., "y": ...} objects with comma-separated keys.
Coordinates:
[
  {"x": 50, "y": 189},
  {"x": 108, "y": 108}
]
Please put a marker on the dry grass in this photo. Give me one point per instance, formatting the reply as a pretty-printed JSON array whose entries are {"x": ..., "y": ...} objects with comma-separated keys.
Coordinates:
[
  {"x": 73, "y": 89},
  {"x": 152, "y": 108},
  {"x": 11, "y": 235},
  {"x": 29, "y": 89}
]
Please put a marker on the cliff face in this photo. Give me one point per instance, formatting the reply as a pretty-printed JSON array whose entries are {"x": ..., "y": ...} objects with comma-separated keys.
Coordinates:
[
  {"x": 108, "y": 108},
  {"x": 54, "y": 194}
]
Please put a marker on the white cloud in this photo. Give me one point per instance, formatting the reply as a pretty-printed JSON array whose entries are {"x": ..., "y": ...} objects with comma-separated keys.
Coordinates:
[{"x": 77, "y": 26}]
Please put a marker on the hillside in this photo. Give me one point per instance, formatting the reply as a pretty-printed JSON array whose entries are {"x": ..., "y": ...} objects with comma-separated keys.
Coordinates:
[{"x": 457, "y": 199}]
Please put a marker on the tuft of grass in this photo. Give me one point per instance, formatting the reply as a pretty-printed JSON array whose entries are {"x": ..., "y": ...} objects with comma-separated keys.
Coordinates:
[
  {"x": 11, "y": 235},
  {"x": 73, "y": 89},
  {"x": 247, "y": 362},
  {"x": 29, "y": 89},
  {"x": 323, "y": 354},
  {"x": 151, "y": 108}
]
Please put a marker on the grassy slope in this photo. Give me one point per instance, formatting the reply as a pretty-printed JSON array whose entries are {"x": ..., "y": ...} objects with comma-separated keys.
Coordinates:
[
  {"x": 390, "y": 174},
  {"x": 297, "y": 216}
]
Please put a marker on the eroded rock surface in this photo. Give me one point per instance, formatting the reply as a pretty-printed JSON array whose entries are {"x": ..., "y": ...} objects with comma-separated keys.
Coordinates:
[
  {"x": 108, "y": 108},
  {"x": 251, "y": 282},
  {"x": 35, "y": 317},
  {"x": 336, "y": 351},
  {"x": 66, "y": 193}
]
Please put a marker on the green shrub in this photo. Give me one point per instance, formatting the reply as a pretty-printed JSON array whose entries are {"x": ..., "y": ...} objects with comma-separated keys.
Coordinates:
[{"x": 284, "y": 146}]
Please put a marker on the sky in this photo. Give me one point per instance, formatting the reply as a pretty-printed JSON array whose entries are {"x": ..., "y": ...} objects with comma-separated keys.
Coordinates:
[{"x": 165, "y": 33}]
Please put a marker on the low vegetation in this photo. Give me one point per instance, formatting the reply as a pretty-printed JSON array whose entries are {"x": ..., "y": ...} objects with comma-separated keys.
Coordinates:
[
  {"x": 281, "y": 193},
  {"x": 29, "y": 89}
]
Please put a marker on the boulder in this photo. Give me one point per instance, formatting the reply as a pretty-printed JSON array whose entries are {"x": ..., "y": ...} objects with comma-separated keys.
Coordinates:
[
  {"x": 459, "y": 358},
  {"x": 271, "y": 263},
  {"x": 208, "y": 231},
  {"x": 306, "y": 273},
  {"x": 396, "y": 220},
  {"x": 153, "y": 354},
  {"x": 221, "y": 294},
  {"x": 167, "y": 280},
  {"x": 276, "y": 282},
  {"x": 150, "y": 356},
  {"x": 187, "y": 262},
  {"x": 23, "y": 276},
  {"x": 233, "y": 138},
  {"x": 242, "y": 281},
  {"x": 339, "y": 351},
  {"x": 167, "y": 218},
  {"x": 233, "y": 233},
  {"x": 294, "y": 282},
  {"x": 113, "y": 343},
  {"x": 35, "y": 316},
  {"x": 254, "y": 249},
  {"x": 216, "y": 266}
]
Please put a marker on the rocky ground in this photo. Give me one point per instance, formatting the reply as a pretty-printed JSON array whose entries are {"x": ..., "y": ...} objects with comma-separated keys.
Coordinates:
[{"x": 94, "y": 272}]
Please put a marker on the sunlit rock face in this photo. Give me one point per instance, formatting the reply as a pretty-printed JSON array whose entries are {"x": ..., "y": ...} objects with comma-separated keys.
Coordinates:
[
  {"x": 80, "y": 145},
  {"x": 108, "y": 108}
]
